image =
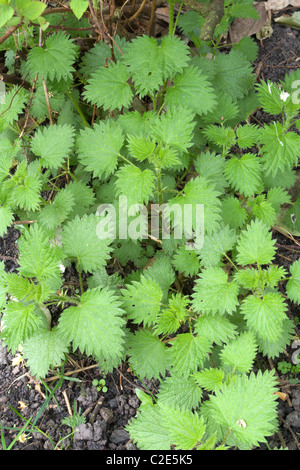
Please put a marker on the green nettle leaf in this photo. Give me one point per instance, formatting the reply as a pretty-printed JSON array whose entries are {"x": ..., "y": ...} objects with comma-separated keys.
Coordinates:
[
  {"x": 193, "y": 90},
  {"x": 148, "y": 430},
  {"x": 128, "y": 250},
  {"x": 55, "y": 59},
  {"x": 263, "y": 210},
  {"x": 6, "y": 12},
  {"x": 200, "y": 191},
  {"x": 279, "y": 149},
  {"x": 265, "y": 315},
  {"x": 56, "y": 96},
  {"x": 244, "y": 9},
  {"x": 170, "y": 318},
  {"x": 53, "y": 144},
  {"x": 209, "y": 379},
  {"x": 233, "y": 74},
  {"x": 251, "y": 278},
  {"x": 277, "y": 196},
  {"x": 6, "y": 218},
  {"x": 108, "y": 87},
  {"x": 147, "y": 355},
  {"x": 98, "y": 148},
  {"x": 163, "y": 273},
  {"x": 214, "y": 294},
  {"x": 137, "y": 124},
  {"x": 255, "y": 244},
  {"x": 14, "y": 105},
  {"x": 142, "y": 300},
  {"x": 174, "y": 55},
  {"x": 150, "y": 64},
  {"x": 78, "y": 7},
  {"x": 225, "y": 110},
  {"x": 8, "y": 152},
  {"x": 189, "y": 22},
  {"x": 283, "y": 179},
  {"x": 175, "y": 129},
  {"x": 95, "y": 325},
  {"x": 136, "y": 184},
  {"x": 211, "y": 166},
  {"x": 216, "y": 328},
  {"x": 187, "y": 353},
  {"x": 27, "y": 194},
  {"x": 223, "y": 137},
  {"x": 216, "y": 245},
  {"x": 274, "y": 274},
  {"x": 38, "y": 258},
  {"x": 273, "y": 349},
  {"x": 293, "y": 284},
  {"x": 43, "y": 350},
  {"x": 140, "y": 147},
  {"x": 232, "y": 212},
  {"x": 96, "y": 56},
  {"x": 270, "y": 97},
  {"x": 186, "y": 261},
  {"x": 19, "y": 287},
  {"x": 185, "y": 428},
  {"x": 33, "y": 10},
  {"x": 182, "y": 392},
  {"x": 247, "y": 407},
  {"x": 244, "y": 173},
  {"x": 54, "y": 214},
  {"x": 81, "y": 243},
  {"x": 240, "y": 352},
  {"x": 20, "y": 322},
  {"x": 247, "y": 46}
]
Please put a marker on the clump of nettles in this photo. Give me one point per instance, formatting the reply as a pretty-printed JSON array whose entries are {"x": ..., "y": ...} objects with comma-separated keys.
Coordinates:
[{"x": 196, "y": 146}]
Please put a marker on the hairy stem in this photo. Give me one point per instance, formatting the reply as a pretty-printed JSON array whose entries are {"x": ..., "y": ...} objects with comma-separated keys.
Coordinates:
[
  {"x": 171, "y": 17},
  {"x": 80, "y": 278}
]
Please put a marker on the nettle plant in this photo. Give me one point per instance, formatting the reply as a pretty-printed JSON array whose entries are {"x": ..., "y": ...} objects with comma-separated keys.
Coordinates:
[{"x": 154, "y": 124}]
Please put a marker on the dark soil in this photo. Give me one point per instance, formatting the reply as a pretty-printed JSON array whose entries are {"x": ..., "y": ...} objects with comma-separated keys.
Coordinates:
[{"x": 108, "y": 413}]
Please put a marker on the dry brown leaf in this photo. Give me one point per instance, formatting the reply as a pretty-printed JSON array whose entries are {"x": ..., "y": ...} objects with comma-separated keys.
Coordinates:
[
  {"x": 281, "y": 395},
  {"x": 163, "y": 13},
  {"x": 247, "y": 26},
  {"x": 277, "y": 5}
]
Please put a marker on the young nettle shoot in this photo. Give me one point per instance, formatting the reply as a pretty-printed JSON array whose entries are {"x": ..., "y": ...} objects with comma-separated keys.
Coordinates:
[{"x": 100, "y": 385}]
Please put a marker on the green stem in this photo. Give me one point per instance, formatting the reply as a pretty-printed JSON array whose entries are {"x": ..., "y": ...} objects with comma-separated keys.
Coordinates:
[
  {"x": 226, "y": 436},
  {"x": 227, "y": 257},
  {"x": 80, "y": 278},
  {"x": 171, "y": 18},
  {"x": 177, "y": 18},
  {"x": 63, "y": 298},
  {"x": 68, "y": 172},
  {"x": 127, "y": 161},
  {"x": 216, "y": 47},
  {"x": 159, "y": 186},
  {"x": 73, "y": 177},
  {"x": 39, "y": 168},
  {"x": 154, "y": 101},
  {"x": 86, "y": 124}
]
